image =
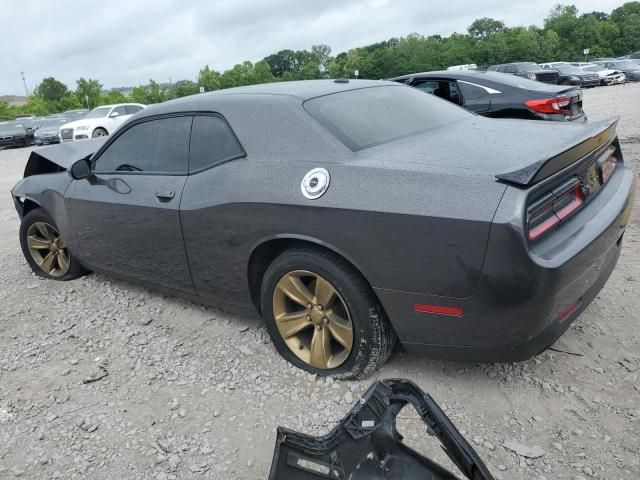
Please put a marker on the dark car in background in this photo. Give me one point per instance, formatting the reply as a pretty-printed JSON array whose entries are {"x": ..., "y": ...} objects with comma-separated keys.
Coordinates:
[
  {"x": 629, "y": 68},
  {"x": 530, "y": 70},
  {"x": 15, "y": 134},
  {"x": 570, "y": 75},
  {"x": 493, "y": 94},
  {"x": 348, "y": 213},
  {"x": 48, "y": 131}
]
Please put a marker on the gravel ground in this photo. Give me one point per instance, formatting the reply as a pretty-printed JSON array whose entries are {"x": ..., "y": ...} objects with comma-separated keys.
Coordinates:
[{"x": 104, "y": 380}]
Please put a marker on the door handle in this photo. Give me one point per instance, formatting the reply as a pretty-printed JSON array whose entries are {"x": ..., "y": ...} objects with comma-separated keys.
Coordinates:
[{"x": 165, "y": 195}]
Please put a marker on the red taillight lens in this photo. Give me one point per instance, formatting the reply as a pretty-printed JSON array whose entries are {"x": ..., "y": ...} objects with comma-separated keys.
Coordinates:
[
  {"x": 550, "y": 105},
  {"x": 607, "y": 167},
  {"x": 553, "y": 208}
]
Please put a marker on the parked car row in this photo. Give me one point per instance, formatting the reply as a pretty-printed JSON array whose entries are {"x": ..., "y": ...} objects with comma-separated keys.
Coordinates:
[{"x": 69, "y": 126}]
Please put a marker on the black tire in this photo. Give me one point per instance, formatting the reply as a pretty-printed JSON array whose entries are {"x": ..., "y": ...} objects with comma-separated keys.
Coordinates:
[
  {"x": 373, "y": 335},
  {"x": 38, "y": 215},
  {"x": 99, "y": 132}
]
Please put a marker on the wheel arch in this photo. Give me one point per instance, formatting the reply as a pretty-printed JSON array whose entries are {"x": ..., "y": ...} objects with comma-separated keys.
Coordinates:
[
  {"x": 100, "y": 127},
  {"x": 265, "y": 252}
]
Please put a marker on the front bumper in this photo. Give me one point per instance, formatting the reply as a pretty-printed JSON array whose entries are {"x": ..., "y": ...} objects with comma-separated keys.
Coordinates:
[
  {"x": 526, "y": 298},
  {"x": 14, "y": 141},
  {"x": 47, "y": 140}
]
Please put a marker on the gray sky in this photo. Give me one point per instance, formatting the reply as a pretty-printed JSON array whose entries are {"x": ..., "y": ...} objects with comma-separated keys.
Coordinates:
[{"x": 124, "y": 43}]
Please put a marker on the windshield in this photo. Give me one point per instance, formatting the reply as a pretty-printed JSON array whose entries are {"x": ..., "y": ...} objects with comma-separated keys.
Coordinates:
[
  {"x": 52, "y": 123},
  {"x": 98, "y": 112},
  {"x": 527, "y": 66},
  {"x": 11, "y": 127},
  {"x": 568, "y": 69},
  {"x": 371, "y": 116},
  {"x": 625, "y": 64}
]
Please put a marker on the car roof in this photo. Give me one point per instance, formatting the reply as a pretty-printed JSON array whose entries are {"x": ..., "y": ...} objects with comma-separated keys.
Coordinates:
[
  {"x": 481, "y": 76},
  {"x": 300, "y": 90}
]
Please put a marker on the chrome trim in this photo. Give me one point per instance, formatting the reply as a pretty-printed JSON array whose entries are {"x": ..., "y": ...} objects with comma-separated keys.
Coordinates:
[{"x": 487, "y": 89}]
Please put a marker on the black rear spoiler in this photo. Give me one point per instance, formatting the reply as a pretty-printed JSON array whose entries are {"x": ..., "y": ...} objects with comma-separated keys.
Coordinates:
[
  {"x": 596, "y": 137},
  {"x": 365, "y": 445}
]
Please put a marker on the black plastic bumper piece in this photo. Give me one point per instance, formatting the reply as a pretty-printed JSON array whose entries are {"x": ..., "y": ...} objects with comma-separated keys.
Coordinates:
[{"x": 366, "y": 444}]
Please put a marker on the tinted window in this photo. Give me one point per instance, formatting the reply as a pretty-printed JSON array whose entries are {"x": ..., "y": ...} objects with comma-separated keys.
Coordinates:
[
  {"x": 131, "y": 109},
  {"x": 160, "y": 145},
  {"x": 119, "y": 110},
  {"x": 370, "y": 116},
  {"x": 212, "y": 142},
  {"x": 428, "y": 86},
  {"x": 471, "y": 92},
  {"x": 509, "y": 69}
]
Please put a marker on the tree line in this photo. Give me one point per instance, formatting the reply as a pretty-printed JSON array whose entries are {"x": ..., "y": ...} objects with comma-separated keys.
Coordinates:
[{"x": 564, "y": 36}]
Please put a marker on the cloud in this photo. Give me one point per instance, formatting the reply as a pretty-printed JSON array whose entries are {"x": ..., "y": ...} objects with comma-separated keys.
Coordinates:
[{"x": 127, "y": 43}]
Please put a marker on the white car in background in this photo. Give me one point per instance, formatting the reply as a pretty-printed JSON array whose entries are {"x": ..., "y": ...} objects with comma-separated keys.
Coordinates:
[
  {"x": 607, "y": 76},
  {"x": 99, "y": 122}
]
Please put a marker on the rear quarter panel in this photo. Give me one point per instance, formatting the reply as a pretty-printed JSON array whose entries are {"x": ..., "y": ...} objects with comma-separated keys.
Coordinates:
[{"x": 404, "y": 230}]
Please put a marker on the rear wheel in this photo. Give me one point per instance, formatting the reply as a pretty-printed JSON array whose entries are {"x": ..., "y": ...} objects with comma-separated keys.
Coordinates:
[
  {"x": 322, "y": 315},
  {"x": 99, "y": 132},
  {"x": 45, "y": 250}
]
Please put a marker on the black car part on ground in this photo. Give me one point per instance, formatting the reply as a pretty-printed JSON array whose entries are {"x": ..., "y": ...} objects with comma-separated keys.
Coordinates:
[
  {"x": 367, "y": 445},
  {"x": 494, "y": 94}
]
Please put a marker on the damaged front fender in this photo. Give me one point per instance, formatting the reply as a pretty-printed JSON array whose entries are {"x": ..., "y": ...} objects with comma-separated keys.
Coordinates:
[{"x": 366, "y": 444}]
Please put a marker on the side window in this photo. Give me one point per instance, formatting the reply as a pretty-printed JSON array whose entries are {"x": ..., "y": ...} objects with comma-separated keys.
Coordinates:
[
  {"x": 212, "y": 142},
  {"x": 427, "y": 86},
  {"x": 509, "y": 69},
  {"x": 160, "y": 145},
  {"x": 131, "y": 109},
  {"x": 471, "y": 92},
  {"x": 119, "y": 110}
]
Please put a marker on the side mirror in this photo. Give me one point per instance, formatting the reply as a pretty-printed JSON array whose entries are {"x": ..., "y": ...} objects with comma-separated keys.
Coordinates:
[
  {"x": 81, "y": 169},
  {"x": 114, "y": 115}
]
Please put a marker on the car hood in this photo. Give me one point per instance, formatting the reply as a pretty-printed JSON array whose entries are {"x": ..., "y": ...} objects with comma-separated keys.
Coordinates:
[
  {"x": 62, "y": 155},
  {"x": 82, "y": 121},
  {"x": 512, "y": 150}
]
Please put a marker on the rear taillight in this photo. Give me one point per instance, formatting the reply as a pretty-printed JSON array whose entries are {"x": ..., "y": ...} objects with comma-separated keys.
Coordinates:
[
  {"x": 550, "y": 105},
  {"x": 546, "y": 213},
  {"x": 607, "y": 165}
]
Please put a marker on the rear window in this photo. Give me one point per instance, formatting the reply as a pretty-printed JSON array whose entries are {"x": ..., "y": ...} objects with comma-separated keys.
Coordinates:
[{"x": 372, "y": 116}]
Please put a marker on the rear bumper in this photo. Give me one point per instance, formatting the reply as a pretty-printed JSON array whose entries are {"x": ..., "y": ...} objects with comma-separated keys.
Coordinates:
[{"x": 525, "y": 299}]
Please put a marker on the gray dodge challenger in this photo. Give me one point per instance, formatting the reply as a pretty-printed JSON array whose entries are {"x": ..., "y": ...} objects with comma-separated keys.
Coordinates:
[{"x": 350, "y": 214}]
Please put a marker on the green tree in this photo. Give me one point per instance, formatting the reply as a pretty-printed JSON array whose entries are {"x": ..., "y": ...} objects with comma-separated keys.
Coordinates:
[
  {"x": 113, "y": 96},
  {"x": 484, "y": 28},
  {"x": 51, "y": 90},
  {"x": 184, "y": 88},
  {"x": 88, "y": 91},
  {"x": 209, "y": 79}
]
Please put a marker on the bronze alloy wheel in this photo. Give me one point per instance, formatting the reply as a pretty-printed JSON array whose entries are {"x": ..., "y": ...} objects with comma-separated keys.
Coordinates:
[
  {"x": 313, "y": 319},
  {"x": 47, "y": 249}
]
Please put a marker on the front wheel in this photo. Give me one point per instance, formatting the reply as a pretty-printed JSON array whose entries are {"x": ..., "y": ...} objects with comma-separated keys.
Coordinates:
[
  {"x": 45, "y": 250},
  {"x": 322, "y": 316},
  {"x": 99, "y": 132}
]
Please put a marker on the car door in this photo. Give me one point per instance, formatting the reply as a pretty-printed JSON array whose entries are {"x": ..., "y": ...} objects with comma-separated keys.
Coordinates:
[
  {"x": 116, "y": 117},
  {"x": 126, "y": 215}
]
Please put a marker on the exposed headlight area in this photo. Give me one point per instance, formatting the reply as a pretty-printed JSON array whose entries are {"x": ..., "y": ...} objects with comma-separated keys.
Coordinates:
[
  {"x": 82, "y": 128},
  {"x": 531, "y": 76}
]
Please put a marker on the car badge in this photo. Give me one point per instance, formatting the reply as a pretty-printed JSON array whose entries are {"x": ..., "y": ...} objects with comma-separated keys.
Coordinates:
[{"x": 315, "y": 183}]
